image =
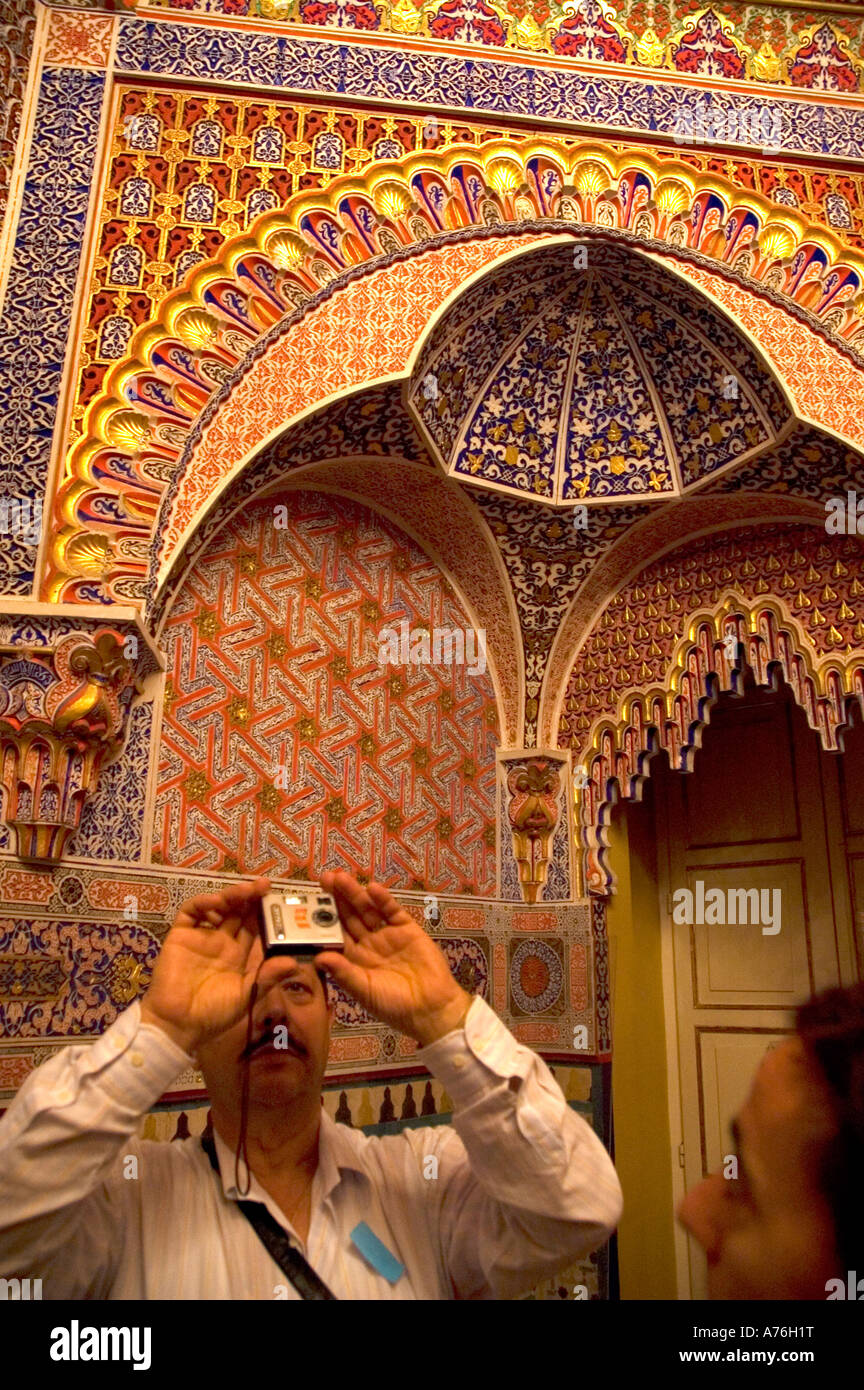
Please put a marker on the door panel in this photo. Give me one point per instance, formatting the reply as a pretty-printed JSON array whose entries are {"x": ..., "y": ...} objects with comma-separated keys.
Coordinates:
[
  {"x": 751, "y": 815},
  {"x": 852, "y": 802},
  {"x": 727, "y": 1062},
  {"x": 742, "y": 965},
  {"x": 717, "y": 803}
]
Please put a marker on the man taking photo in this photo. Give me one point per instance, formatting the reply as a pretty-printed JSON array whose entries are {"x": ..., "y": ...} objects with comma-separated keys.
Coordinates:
[{"x": 517, "y": 1188}]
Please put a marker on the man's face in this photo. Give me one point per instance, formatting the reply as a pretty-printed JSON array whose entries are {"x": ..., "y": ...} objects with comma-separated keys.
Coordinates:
[
  {"x": 293, "y": 1011},
  {"x": 770, "y": 1233}
]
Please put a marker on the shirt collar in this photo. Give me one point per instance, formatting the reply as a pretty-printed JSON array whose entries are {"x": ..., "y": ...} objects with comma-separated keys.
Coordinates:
[{"x": 337, "y": 1152}]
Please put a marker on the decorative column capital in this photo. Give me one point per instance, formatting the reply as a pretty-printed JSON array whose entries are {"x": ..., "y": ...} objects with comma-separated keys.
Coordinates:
[
  {"x": 66, "y": 686},
  {"x": 535, "y": 789}
]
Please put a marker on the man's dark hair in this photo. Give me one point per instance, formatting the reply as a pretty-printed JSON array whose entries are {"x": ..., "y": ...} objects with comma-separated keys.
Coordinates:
[
  {"x": 322, "y": 976},
  {"x": 831, "y": 1026}
]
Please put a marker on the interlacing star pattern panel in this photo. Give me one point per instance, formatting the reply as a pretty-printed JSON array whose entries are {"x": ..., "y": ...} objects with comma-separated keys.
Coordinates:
[{"x": 287, "y": 746}]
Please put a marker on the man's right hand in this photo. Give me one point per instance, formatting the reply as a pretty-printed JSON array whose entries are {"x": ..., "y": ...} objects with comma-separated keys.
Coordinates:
[{"x": 203, "y": 977}]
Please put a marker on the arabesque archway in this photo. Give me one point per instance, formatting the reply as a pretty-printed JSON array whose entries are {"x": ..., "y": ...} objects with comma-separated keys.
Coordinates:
[{"x": 152, "y": 427}]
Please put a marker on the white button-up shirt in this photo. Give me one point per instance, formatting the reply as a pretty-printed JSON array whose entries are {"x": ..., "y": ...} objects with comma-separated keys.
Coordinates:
[{"x": 520, "y": 1185}]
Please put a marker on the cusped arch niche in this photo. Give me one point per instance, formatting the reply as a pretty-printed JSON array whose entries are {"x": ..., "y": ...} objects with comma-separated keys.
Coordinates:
[
  {"x": 783, "y": 599},
  {"x": 287, "y": 743},
  {"x": 365, "y": 447}
]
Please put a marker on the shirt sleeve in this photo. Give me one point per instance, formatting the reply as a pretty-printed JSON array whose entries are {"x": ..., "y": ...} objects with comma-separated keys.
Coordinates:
[
  {"x": 70, "y": 1124},
  {"x": 524, "y": 1185}
]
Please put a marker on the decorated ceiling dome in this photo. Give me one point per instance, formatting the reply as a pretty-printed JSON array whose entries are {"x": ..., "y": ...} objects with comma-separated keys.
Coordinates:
[{"x": 583, "y": 372}]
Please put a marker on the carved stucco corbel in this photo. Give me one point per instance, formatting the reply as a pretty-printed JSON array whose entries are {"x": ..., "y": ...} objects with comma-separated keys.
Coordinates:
[
  {"x": 64, "y": 705},
  {"x": 535, "y": 786}
]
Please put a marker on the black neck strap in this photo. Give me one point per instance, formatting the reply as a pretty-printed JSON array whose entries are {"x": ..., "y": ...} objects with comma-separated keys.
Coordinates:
[{"x": 294, "y": 1265}]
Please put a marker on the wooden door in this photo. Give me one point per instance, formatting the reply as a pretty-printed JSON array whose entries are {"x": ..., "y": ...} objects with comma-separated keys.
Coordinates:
[{"x": 761, "y": 809}]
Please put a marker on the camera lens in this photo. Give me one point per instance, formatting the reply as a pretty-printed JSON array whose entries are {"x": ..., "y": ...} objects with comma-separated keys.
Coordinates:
[{"x": 323, "y": 917}]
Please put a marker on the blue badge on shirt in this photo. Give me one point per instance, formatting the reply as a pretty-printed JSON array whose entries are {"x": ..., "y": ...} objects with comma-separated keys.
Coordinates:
[{"x": 373, "y": 1250}]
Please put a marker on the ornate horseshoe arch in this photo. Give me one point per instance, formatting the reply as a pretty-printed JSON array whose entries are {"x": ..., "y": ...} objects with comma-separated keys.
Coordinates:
[
  {"x": 704, "y": 648},
  {"x": 127, "y": 475},
  {"x": 381, "y": 316},
  {"x": 421, "y": 504}
]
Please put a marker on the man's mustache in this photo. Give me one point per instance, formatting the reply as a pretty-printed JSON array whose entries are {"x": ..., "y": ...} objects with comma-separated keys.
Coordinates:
[{"x": 287, "y": 1043}]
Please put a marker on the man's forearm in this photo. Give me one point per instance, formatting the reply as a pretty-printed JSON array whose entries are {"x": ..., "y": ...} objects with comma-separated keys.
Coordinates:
[
  {"x": 527, "y": 1147},
  {"x": 63, "y": 1130},
  {"x": 526, "y": 1186}
]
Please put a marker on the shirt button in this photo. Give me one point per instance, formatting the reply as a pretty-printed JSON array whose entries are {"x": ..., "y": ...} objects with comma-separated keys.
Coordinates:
[
  {"x": 64, "y": 1097},
  {"x": 459, "y": 1062},
  {"x": 136, "y": 1059},
  {"x": 117, "y": 1042}
]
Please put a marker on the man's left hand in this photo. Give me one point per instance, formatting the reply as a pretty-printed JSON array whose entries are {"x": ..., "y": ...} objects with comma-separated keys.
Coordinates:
[{"x": 390, "y": 965}]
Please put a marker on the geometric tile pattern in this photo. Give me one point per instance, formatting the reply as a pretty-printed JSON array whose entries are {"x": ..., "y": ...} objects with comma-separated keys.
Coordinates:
[
  {"x": 273, "y": 647},
  {"x": 38, "y": 305},
  {"x": 371, "y": 435}
]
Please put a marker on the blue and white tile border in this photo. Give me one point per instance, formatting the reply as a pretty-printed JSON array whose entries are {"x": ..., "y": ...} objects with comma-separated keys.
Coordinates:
[
  {"x": 42, "y": 283},
  {"x": 609, "y": 103}
]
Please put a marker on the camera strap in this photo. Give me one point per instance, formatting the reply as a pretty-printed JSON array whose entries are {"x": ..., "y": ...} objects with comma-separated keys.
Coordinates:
[{"x": 294, "y": 1265}]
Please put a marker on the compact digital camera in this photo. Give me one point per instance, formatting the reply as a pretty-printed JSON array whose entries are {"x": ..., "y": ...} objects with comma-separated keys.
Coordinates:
[{"x": 300, "y": 924}]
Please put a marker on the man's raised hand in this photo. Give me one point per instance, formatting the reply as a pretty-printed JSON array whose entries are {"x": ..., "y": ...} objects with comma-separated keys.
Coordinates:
[
  {"x": 203, "y": 977},
  {"x": 390, "y": 965}
]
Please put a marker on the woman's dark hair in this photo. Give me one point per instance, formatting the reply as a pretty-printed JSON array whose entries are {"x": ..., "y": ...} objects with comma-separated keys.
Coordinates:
[{"x": 831, "y": 1026}]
